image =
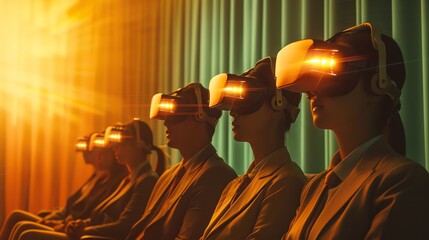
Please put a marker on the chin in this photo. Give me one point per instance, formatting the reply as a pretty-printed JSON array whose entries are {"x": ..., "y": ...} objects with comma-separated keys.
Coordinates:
[
  {"x": 171, "y": 144},
  {"x": 320, "y": 124},
  {"x": 238, "y": 138}
]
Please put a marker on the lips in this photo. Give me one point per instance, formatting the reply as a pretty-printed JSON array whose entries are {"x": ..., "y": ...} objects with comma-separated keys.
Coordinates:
[
  {"x": 316, "y": 107},
  {"x": 234, "y": 126}
]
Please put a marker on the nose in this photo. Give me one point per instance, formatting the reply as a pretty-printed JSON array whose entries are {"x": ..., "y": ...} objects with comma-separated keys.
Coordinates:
[
  {"x": 311, "y": 95},
  {"x": 166, "y": 123},
  {"x": 233, "y": 114}
]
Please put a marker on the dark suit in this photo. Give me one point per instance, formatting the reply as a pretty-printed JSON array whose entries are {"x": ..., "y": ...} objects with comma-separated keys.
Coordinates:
[
  {"x": 93, "y": 192},
  {"x": 187, "y": 211},
  {"x": 385, "y": 196},
  {"x": 116, "y": 216},
  {"x": 266, "y": 206}
]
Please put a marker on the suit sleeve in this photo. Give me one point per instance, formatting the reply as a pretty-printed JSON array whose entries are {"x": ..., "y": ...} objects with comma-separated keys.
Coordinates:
[
  {"x": 203, "y": 202},
  {"x": 132, "y": 212},
  {"x": 401, "y": 205},
  {"x": 277, "y": 209}
]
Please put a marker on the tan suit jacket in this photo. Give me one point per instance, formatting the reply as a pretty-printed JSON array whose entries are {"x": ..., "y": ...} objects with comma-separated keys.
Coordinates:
[
  {"x": 186, "y": 213},
  {"x": 118, "y": 213},
  {"x": 265, "y": 208},
  {"x": 386, "y": 196}
]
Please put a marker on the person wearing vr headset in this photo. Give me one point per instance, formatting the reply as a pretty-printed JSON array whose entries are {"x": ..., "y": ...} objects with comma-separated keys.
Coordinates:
[
  {"x": 105, "y": 179},
  {"x": 370, "y": 189},
  {"x": 185, "y": 195},
  {"x": 261, "y": 203},
  {"x": 114, "y": 217}
]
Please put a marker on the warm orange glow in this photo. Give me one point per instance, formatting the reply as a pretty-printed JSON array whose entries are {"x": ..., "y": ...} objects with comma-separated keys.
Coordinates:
[
  {"x": 323, "y": 62},
  {"x": 99, "y": 142},
  {"x": 115, "y": 137},
  {"x": 81, "y": 146},
  {"x": 166, "y": 105},
  {"x": 234, "y": 90}
]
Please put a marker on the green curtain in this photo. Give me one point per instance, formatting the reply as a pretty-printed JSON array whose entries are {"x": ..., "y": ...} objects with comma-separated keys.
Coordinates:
[{"x": 201, "y": 38}]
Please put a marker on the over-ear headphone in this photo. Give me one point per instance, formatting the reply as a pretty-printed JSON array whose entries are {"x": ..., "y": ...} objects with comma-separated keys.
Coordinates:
[
  {"x": 381, "y": 83},
  {"x": 279, "y": 101},
  {"x": 201, "y": 115}
]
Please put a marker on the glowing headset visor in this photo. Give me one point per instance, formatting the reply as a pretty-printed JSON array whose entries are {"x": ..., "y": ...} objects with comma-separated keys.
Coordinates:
[
  {"x": 99, "y": 141},
  {"x": 241, "y": 94},
  {"x": 226, "y": 86},
  {"x": 299, "y": 57},
  {"x": 82, "y": 144},
  {"x": 116, "y": 134},
  {"x": 318, "y": 66},
  {"x": 162, "y": 105}
]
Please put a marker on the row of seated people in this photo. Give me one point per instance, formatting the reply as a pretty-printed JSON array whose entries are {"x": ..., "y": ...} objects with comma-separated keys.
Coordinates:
[{"x": 369, "y": 191}]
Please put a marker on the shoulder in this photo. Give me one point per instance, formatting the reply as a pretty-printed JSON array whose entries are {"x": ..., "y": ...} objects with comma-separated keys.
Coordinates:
[
  {"x": 148, "y": 177},
  {"x": 394, "y": 168},
  {"x": 216, "y": 165}
]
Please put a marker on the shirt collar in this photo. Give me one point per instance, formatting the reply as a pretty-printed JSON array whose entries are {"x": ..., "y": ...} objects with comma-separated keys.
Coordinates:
[{"x": 344, "y": 167}]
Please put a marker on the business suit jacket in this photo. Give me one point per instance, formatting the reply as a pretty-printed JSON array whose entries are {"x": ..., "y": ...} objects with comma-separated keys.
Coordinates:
[
  {"x": 115, "y": 216},
  {"x": 386, "y": 196},
  {"x": 185, "y": 214},
  {"x": 83, "y": 201},
  {"x": 265, "y": 208}
]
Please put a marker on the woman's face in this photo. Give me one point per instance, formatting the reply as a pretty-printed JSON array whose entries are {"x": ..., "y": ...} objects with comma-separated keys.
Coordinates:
[
  {"x": 125, "y": 152},
  {"x": 340, "y": 111},
  {"x": 104, "y": 158},
  {"x": 179, "y": 133},
  {"x": 251, "y": 126}
]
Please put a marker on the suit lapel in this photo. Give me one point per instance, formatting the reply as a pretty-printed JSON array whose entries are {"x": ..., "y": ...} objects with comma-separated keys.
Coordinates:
[
  {"x": 181, "y": 188},
  {"x": 160, "y": 191},
  {"x": 303, "y": 218},
  {"x": 364, "y": 168},
  {"x": 263, "y": 177},
  {"x": 225, "y": 204},
  {"x": 242, "y": 202}
]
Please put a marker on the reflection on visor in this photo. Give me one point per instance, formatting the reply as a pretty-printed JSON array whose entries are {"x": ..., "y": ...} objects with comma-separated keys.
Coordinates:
[
  {"x": 115, "y": 136},
  {"x": 240, "y": 94},
  {"x": 99, "y": 141},
  {"x": 82, "y": 145},
  {"x": 162, "y": 105},
  {"x": 234, "y": 89},
  {"x": 167, "y": 105},
  {"x": 322, "y": 61}
]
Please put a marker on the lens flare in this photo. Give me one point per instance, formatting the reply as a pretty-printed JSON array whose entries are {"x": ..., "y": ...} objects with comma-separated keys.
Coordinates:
[{"x": 234, "y": 90}]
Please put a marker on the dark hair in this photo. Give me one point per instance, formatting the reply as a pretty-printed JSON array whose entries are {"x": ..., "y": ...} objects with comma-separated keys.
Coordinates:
[
  {"x": 263, "y": 71},
  {"x": 146, "y": 137},
  {"x": 188, "y": 93},
  {"x": 390, "y": 122}
]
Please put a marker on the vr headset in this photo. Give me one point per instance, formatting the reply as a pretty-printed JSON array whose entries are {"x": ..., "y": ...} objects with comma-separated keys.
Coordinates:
[
  {"x": 176, "y": 107},
  {"x": 120, "y": 133},
  {"x": 88, "y": 143},
  {"x": 245, "y": 95},
  {"x": 82, "y": 144},
  {"x": 311, "y": 65}
]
